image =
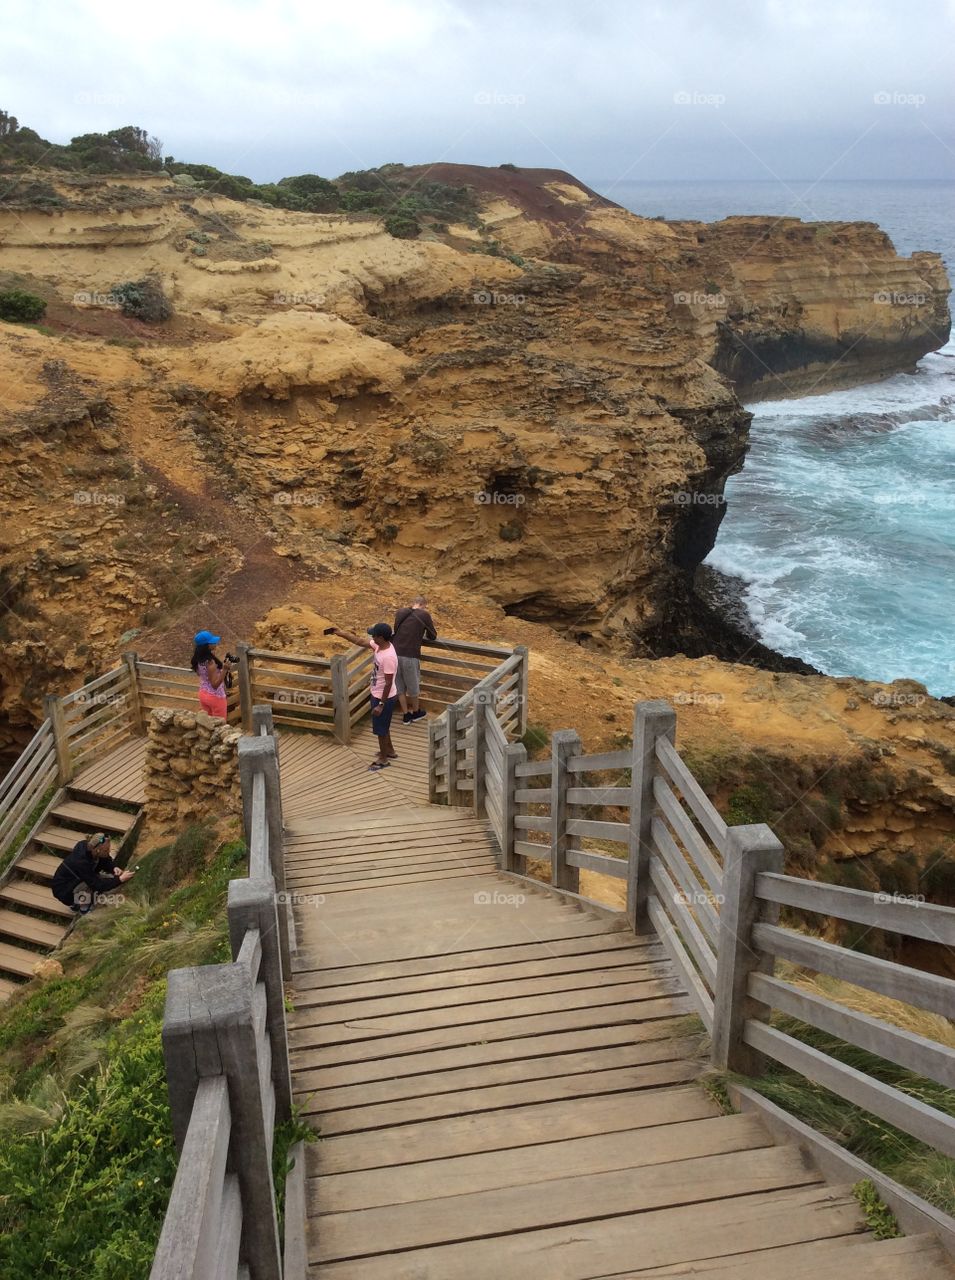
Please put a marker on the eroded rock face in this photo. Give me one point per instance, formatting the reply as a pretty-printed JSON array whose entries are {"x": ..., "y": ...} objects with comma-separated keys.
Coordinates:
[
  {"x": 538, "y": 410},
  {"x": 809, "y": 306}
]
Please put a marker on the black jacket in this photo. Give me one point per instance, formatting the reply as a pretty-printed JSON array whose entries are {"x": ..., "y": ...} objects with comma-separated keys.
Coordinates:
[{"x": 83, "y": 867}]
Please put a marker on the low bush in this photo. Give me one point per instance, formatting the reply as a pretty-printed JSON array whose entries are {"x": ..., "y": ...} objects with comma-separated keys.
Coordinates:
[
  {"x": 144, "y": 300},
  {"x": 21, "y": 307},
  {"x": 402, "y": 226}
]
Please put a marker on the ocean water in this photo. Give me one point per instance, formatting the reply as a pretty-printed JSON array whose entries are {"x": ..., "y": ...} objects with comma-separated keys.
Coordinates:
[{"x": 842, "y": 521}]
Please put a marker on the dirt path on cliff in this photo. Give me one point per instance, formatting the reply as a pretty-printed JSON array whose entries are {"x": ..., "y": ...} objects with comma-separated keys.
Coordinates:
[{"x": 237, "y": 597}]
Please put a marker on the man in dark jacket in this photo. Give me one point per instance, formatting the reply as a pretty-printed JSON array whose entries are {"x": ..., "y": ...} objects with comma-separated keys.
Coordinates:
[
  {"x": 411, "y": 627},
  {"x": 87, "y": 870}
]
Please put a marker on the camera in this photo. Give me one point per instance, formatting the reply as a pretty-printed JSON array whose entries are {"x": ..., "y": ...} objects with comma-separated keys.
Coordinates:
[{"x": 230, "y": 657}]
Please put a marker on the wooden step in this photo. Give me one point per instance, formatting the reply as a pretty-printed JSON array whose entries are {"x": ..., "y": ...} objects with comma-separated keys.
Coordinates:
[
  {"x": 94, "y": 817},
  {"x": 39, "y": 864},
  {"x": 18, "y": 960},
  {"x": 35, "y": 896},
  {"x": 60, "y": 837},
  {"x": 16, "y": 924}
]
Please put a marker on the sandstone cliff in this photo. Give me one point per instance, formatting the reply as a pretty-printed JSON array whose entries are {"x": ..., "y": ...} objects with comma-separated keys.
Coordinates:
[{"x": 533, "y": 407}]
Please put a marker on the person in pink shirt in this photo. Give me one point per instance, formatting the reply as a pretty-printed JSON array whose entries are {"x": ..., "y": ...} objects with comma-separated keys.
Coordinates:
[{"x": 384, "y": 695}]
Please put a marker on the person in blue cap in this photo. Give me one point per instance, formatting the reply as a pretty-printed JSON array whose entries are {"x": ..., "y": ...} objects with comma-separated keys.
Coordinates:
[
  {"x": 212, "y": 672},
  {"x": 384, "y": 695}
]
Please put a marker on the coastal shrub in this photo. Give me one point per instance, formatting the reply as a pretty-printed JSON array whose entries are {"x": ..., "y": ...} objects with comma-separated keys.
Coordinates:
[
  {"x": 402, "y": 226},
  {"x": 749, "y": 803},
  {"x": 21, "y": 307},
  {"x": 144, "y": 300},
  {"x": 535, "y": 738}
]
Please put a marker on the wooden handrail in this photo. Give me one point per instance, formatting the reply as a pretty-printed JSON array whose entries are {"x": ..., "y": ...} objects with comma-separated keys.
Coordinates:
[
  {"x": 225, "y": 1042},
  {"x": 709, "y": 891}
]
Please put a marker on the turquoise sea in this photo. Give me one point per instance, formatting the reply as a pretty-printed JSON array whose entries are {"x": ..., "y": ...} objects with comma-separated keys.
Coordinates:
[{"x": 842, "y": 521}]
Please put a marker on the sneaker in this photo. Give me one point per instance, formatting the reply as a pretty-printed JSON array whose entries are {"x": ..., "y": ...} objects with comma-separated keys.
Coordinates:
[
  {"x": 418, "y": 715},
  {"x": 407, "y": 718}
]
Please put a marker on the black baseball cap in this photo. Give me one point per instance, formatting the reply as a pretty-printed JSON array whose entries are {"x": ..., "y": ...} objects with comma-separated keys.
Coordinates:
[{"x": 382, "y": 630}]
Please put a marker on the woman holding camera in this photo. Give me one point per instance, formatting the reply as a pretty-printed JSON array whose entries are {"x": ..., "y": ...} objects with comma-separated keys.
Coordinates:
[{"x": 213, "y": 674}]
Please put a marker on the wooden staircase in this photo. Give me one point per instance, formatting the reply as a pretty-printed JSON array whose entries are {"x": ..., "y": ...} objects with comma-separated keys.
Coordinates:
[{"x": 32, "y": 922}]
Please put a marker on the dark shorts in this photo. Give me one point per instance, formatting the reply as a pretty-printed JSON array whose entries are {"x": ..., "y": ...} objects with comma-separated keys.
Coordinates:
[{"x": 381, "y": 725}]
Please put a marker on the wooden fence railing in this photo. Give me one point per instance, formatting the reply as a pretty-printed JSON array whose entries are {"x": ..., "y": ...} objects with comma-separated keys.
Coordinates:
[
  {"x": 25, "y": 786},
  {"x": 225, "y": 1045},
  {"x": 326, "y": 695},
  {"x": 711, "y": 892}
]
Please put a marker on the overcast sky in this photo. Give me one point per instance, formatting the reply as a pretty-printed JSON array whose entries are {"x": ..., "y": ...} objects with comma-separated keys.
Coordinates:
[{"x": 610, "y": 90}]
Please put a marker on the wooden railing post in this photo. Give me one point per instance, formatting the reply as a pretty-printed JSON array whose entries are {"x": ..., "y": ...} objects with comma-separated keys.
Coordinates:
[
  {"x": 749, "y": 850},
  {"x": 340, "y": 698},
  {"x": 565, "y": 744},
  {"x": 453, "y": 712},
  {"x": 482, "y": 704},
  {"x": 137, "y": 725},
  {"x": 263, "y": 719},
  {"x": 209, "y": 1030},
  {"x": 522, "y": 686},
  {"x": 245, "y": 686},
  {"x": 651, "y": 720},
  {"x": 252, "y": 905},
  {"x": 432, "y": 759},
  {"x": 259, "y": 755},
  {"x": 515, "y": 753},
  {"x": 57, "y": 717}
]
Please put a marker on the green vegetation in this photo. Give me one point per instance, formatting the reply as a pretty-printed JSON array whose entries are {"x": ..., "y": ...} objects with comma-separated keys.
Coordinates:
[
  {"x": 391, "y": 192},
  {"x": 125, "y": 150},
  {"x": 86, "y": 1152},
  {"x": 878, "y": 1216},
  {"x": 143, "y": 300},
  {"x": 21, "y": 307},
  {"x": 906, "y": 1160},
  {"x": 749, "y": 803},
  {"x": 535, "y": 738},
  {"x": 511, "y": 531}
]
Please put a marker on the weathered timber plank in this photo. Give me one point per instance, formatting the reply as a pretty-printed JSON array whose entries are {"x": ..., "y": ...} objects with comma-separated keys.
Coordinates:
[
  {"x": 608, "y": 1246},
  {"x": 561, "y": 1201},
  {"x": 392, "y": 1003},
  {"x": 518, "y": 1054},
  {"x": 511, "y": 1128},
  {"x": 479, "y": 1033},
  {"x": 540, "y": 1163},
  {"x": 425, "y": 1083},
  {"x": 333, "y": 1029}
]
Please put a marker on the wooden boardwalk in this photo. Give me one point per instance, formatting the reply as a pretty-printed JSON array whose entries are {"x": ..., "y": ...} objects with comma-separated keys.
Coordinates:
[
  {"x": 504, "y": 1080},
  {"x": 117, "y": 775}
]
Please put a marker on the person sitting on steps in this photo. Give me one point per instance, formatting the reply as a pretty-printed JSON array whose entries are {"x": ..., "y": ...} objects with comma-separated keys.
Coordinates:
[
  {"x": 411, "y": 627},
  {"x": 87, "y": 870},
  {"x": 383, "y": 696}
]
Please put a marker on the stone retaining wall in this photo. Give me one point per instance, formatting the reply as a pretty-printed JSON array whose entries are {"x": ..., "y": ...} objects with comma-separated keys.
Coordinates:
[{"x": 192, "y": 768}]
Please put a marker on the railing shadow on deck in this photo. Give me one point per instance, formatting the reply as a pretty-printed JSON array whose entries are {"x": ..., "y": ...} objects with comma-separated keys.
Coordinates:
[{"x": 712, "y": 893}]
